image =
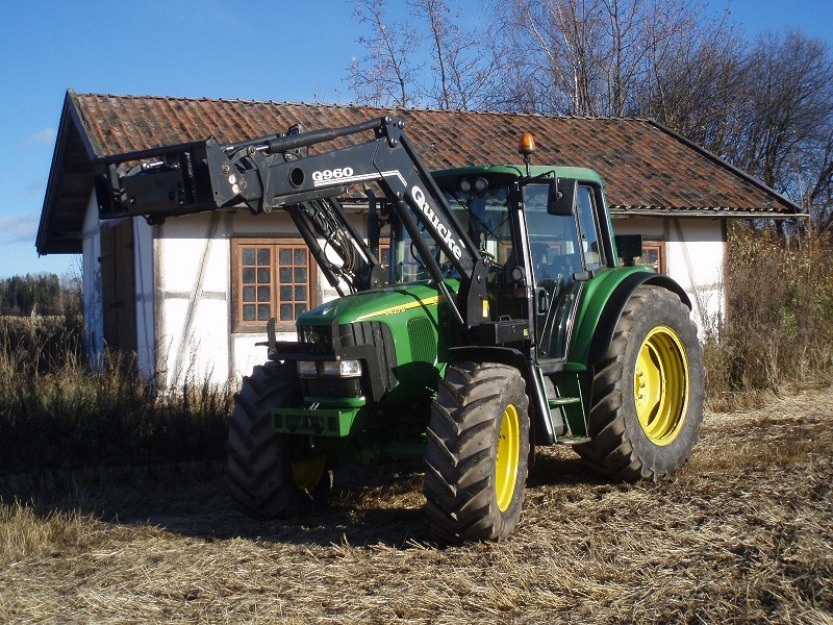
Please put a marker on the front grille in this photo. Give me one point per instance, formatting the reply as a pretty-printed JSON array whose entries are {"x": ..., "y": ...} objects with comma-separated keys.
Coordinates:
[{"x": 332, "y": 387}]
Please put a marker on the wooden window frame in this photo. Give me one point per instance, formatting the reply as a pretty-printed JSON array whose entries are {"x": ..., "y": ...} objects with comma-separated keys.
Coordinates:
[
  {"x": 660, "y": 247},
  {"x": 275, "y": 245}
]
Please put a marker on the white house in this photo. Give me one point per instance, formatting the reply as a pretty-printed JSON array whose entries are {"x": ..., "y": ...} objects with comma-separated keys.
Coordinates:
[{"x": 179, "y": 293}]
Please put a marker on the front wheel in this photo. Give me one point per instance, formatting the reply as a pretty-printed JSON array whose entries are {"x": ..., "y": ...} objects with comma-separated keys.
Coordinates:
[
  {"x": 477, "y": 451},
  {"x": 647, "y": 398},
  {"x": 271, "y": 475}
]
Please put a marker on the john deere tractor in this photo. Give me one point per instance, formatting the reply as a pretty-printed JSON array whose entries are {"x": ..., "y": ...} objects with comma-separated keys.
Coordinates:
[{"x": 484, "y": 313}]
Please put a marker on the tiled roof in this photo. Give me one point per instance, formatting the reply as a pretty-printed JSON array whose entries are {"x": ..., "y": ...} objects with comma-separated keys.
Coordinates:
[{"x": 647, "y": 168}]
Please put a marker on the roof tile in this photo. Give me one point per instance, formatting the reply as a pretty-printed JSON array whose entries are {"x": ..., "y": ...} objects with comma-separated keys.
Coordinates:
[{"x": 643, "y": 164}]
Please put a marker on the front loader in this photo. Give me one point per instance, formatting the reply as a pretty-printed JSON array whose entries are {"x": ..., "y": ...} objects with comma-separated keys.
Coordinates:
[{"x": 501, "y": 321}]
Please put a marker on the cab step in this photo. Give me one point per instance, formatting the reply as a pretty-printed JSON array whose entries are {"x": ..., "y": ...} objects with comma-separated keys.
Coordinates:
[
  {"x": 563, "y": 401},
  {"x": 573, "y": 440}
]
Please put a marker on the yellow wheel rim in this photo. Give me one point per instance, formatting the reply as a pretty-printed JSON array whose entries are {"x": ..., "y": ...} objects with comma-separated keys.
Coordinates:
[
  {"x": 508, "y": 456},
  {"x": 307, "y": 473},
  {"x": 661, "y": 385}
]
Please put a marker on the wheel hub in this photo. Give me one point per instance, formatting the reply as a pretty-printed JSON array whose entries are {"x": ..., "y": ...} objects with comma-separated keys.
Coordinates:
[
  {"x": 508, "y": 454},
  {"x": 661, "y": 385},
  {"x": 307, "y": 473}
]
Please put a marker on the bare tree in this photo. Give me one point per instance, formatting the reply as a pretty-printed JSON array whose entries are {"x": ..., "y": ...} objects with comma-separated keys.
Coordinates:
[
  {"x": 788, "y": 141},
  {"x": 386, "y": 75},
  {"x": 461, "y": 70},
  {"x": 695, "y": 81},
  {"x": 553, "y": 45},
  {"x": 426, "y": 36},
  {"x": 442, "y": 31},
  {"x": 590, "y": 57}
]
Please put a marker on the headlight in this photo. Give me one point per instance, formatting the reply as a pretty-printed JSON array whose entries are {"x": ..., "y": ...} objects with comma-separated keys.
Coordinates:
[
  {"x": 330, "y": 368},
  {"x": 342, "y": 368}
]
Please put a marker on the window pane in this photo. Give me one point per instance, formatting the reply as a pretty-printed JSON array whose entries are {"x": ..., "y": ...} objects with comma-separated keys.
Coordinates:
[{"x": 273, "y": 282}]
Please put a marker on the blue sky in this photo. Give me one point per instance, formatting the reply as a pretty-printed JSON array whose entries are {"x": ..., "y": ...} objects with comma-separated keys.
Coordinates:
[{"x": 284, "y": 50}]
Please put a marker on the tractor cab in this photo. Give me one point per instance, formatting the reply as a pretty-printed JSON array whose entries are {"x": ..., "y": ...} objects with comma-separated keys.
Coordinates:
[{"x": 542, "y": 233}]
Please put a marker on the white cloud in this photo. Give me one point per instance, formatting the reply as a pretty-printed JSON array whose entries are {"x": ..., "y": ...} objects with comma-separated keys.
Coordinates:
[
  {"x": 33, "y": 189},
  {"x": 44, "y": 137},
  {"x": 19, "y": 229}
]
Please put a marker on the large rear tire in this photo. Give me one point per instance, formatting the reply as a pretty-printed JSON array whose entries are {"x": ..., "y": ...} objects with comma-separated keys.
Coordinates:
[
  {"x": 269, "y": 475},
  {"x": 477, "y": 452},
  {"x": 647, "y": 398}
]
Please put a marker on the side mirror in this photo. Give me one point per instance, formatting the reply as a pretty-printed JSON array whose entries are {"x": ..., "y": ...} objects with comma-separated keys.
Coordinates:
[{"x": 562, "y": 197}]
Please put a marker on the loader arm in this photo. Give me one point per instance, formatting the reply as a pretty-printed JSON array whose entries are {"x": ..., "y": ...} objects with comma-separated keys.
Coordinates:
[{"x": 278, "y": 172}]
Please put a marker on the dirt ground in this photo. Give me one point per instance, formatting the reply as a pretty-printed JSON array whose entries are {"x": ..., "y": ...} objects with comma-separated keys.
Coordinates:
[{"x": 742, "y": 534}]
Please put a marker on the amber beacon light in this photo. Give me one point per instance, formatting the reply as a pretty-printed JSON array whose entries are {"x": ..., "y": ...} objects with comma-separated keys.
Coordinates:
[{"x": 526, "y": 145}]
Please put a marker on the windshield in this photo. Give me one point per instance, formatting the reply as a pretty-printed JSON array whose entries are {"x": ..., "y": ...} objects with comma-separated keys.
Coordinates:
[{"x": 482, "y": 212}]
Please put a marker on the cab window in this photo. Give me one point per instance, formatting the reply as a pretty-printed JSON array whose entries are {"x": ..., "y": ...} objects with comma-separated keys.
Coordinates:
[{"x": 588, "y": 223}]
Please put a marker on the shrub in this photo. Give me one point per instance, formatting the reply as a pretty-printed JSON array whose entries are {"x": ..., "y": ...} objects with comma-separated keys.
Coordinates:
[{"x": 779, "y": 328}]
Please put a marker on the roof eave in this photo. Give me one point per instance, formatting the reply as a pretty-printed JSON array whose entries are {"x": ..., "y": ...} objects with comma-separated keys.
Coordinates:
[
  {"x": 71, "y": 242},
  {"x": 708, "y": 213}
]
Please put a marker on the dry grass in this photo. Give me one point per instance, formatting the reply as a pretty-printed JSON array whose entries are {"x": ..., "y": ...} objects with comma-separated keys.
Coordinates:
[{"x": 741, "y": 535}]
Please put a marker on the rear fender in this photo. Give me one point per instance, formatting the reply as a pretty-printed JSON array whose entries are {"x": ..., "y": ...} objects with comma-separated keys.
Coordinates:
[{"x": 603, "y": 306}]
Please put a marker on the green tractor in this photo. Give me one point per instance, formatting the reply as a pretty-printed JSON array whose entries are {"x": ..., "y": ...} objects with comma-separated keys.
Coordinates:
[{"x": 485, "y": 313}]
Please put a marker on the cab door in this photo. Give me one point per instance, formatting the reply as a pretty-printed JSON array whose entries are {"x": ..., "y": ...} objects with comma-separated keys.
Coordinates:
[{"x": 565, "y": 250}]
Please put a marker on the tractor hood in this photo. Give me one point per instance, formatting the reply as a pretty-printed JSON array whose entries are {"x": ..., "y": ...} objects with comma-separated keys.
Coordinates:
[{"x": 383, "y": 305}]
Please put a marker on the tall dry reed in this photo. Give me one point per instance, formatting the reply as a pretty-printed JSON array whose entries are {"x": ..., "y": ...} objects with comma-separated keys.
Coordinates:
[{"x": 55, "y": 411}]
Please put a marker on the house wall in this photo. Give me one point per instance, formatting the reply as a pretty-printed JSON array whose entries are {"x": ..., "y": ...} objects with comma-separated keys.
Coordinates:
[
  {"x": 93, "y": 304},
  {"x": 145, "y": 332},
  {"x": 191, "y": 278},
  {"x": 183, "y": 287},
  {"x": 93, "y": 290},
  {"x": 193, "y": 298},
  {"x": 695, "y": 255}
]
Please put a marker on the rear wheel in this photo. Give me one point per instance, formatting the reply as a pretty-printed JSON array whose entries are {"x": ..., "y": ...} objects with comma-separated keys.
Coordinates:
[
  {"x": 271, "y": 475},
  {"x": 647, "y": 399},
  {"x": 476, "y": 456}
]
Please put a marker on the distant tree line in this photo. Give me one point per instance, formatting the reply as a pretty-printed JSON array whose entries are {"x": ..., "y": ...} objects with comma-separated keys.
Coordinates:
[
  {"x": 42, "y": 294},
  {"x": 764, "y": 104}
]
